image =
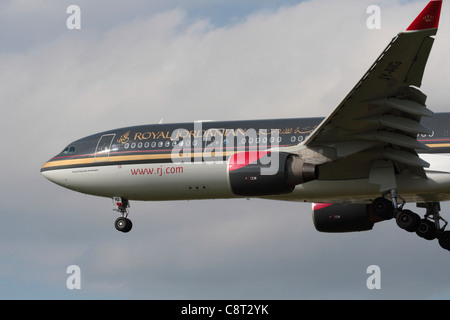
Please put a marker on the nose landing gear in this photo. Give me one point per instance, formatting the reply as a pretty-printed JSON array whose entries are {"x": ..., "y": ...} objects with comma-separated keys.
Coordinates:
[{"x": 122, "y": 223}]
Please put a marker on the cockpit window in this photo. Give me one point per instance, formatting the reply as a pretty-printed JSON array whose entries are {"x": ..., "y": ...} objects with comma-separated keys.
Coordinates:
[{"x": 68, "y": 150}]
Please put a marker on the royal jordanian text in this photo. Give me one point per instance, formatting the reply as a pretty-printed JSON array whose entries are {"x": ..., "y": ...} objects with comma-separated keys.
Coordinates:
[{"x": 207, "y": 134}]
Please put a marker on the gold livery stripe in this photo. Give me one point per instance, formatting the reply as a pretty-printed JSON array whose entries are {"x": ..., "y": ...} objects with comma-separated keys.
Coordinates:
[
  {"x": 439, "y": 145},
  {"x": 59, "y": 163}
]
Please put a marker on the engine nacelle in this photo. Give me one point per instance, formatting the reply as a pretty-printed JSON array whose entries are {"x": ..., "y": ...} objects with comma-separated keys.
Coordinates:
[
  {"x": 338, "y": 217},
  {"x": 262, "y": 173}
]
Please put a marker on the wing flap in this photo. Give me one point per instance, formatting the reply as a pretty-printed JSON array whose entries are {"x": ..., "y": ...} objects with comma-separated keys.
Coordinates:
[
  {"x": 393, "y": 138},
  {"x": 398, "y": 123},
  {"x": 409, "y": 106},
  {"x": 405, "y": 157}
]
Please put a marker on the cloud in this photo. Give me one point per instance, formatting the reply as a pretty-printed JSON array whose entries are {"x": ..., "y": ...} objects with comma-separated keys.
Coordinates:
[{"x": 161, "y": 61}]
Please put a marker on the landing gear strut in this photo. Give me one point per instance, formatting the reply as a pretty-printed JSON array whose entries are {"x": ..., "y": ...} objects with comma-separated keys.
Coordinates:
[
  {"x": 122, "y": 223},
  {"x": 428, "y": 228}
]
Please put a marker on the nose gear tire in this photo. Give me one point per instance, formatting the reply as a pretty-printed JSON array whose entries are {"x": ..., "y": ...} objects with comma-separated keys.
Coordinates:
[{"x": 123, "y": 224}]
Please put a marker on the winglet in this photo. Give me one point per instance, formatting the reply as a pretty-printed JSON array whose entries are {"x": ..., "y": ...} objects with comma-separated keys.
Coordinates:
[{"x": 428, "y": 18}]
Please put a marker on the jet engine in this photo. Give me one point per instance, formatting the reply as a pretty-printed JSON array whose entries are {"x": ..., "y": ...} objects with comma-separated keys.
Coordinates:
[
  {"x": 338, "y": 217},
  {"x": 263, "y": 173}
]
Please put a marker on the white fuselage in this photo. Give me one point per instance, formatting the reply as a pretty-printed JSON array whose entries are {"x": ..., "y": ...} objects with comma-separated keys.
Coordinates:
[{"x": 169, "y": 181}]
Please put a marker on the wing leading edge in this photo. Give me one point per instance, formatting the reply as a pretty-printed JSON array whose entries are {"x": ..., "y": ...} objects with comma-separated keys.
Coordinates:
[{"x": 377, "y": 123}]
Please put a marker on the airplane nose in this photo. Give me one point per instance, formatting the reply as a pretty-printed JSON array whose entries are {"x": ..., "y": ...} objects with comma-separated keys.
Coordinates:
[{"x": 55, "y": 175}]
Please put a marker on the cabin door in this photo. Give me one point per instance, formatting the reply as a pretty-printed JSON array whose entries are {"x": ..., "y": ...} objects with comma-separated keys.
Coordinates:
[{"x": 104, "y": 147}]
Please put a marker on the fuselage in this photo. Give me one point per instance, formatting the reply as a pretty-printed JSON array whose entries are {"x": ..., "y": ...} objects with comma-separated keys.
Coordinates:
[{"x": 192, "y": 161}]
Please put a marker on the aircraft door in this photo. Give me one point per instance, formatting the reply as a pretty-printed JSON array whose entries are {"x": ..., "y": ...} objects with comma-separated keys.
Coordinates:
[{"x": 104, "y": 147}]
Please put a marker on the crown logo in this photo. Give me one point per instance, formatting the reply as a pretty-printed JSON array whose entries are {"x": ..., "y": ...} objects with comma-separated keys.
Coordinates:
[
  {"x": 124, "y": 138},
  {"x": 428, "y": 18}
]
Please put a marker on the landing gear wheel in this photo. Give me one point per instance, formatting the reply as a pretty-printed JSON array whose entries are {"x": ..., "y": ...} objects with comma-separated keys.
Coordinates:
[
  {"x": 408, "y": 220},
  {"x": 444, "y": 240},
  {"x": 427, "y": 229},
  {"x": 123, "y": 224},
  {"x": 383, "y": 208}
]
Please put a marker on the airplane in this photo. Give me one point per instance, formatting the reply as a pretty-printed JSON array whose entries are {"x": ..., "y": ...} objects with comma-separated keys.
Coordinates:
[{"x": 378, "y": 150}]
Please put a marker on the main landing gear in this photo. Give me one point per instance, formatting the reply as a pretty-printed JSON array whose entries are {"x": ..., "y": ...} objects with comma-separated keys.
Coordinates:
[
  {"x": 122, "y": 223},
  {"x": 427, "y": 228}
]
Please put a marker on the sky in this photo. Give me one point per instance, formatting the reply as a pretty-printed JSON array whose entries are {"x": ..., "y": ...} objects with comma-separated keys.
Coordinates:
[{"x": 137, "y": 62}]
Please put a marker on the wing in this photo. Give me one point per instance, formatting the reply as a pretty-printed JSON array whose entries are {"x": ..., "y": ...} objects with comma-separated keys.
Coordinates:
[{"x": 379, "y": 120}]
